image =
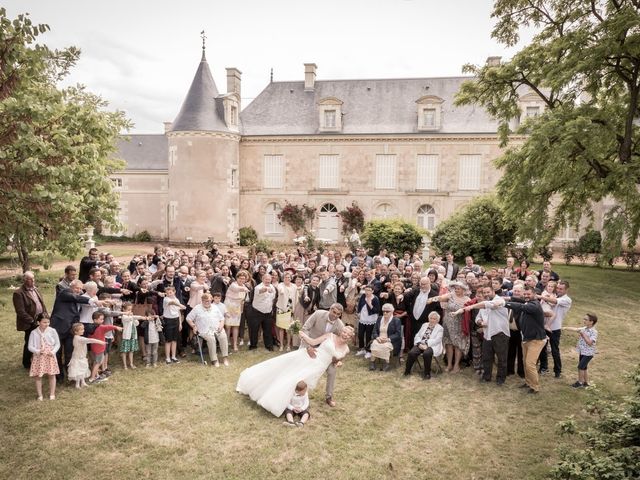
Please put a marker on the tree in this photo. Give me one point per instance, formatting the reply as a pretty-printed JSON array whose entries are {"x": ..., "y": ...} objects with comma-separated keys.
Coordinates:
[
  {"x": 584, "y": 64},
  {"x": 479, "y": 230},
  {"x": 55, "y": 147},
  {"x": 395, "y": 235}
]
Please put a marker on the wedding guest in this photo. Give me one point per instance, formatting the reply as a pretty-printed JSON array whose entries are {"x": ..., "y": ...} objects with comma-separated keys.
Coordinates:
[
  {"x": 587, "y": 337},
  {"x": 29, "y": 306},
  {"x": 427, "y": 343},
  {"x": 386, "y": 338}
]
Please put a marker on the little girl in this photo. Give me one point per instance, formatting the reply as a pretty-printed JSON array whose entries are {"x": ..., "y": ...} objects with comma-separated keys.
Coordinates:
[
  {"x": 152, "y": 339},
  {"x": 129, "y": 343},
  {"x": 79, "y": 366},
  {"x": 44, "y": 343}
]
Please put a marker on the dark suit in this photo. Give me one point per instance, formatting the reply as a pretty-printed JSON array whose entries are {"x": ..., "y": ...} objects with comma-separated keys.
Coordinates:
[
  {"x": 394, "y": 333},
  {"x": 66, "y": 312},
  {"x": 410, "y": 300},
  {"x": 25, "y": 309},
  {"x": 456, "y": 269}
]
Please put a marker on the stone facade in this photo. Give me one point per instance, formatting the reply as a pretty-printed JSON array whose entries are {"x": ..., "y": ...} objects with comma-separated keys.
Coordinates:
[{"x": 399, "y": 148}]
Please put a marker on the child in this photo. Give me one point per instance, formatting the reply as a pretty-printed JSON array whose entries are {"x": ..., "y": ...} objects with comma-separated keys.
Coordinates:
[
  {"x": 79, "y": 366},
  {"x": 172, "y": 326},
  {"x": 152, "y": 338},
  {"x": 586, "y": 347},
  {"x": 129, "y": 343},
  {"x": 98, "y": 349},
  {"x": 44, "y": 343},
  {"x": 109, "y": 316},
  {"x": 298, "y": 405}
]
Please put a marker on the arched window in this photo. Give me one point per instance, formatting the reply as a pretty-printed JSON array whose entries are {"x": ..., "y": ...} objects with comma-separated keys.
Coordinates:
[
  {"x": 384, "y": 210},
  {"x": 272, "y": 224},
  {"x": 427, "y": 217},
  {"x": 329, "y": 208}
]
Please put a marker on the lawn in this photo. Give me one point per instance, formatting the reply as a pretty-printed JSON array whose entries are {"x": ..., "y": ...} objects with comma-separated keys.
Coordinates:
[{"x": 186, "y": 421}]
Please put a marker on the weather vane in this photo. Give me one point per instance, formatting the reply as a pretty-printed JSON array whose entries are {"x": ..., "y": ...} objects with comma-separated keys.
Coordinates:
[{"x": 204, "y": 37}]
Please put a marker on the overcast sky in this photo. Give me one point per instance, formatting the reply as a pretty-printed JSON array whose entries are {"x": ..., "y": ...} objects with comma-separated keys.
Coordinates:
[{"x": 141, "y": 55}]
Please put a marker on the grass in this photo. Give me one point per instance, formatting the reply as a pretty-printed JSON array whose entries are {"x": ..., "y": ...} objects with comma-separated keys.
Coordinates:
[{"x": 186, "y": 421}]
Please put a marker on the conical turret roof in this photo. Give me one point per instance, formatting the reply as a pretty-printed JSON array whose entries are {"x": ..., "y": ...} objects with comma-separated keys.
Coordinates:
[{"x": 199, "y": 111}]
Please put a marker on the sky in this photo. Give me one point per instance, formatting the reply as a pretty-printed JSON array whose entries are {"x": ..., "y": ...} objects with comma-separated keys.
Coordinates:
[{"x": 141, "y": 56}]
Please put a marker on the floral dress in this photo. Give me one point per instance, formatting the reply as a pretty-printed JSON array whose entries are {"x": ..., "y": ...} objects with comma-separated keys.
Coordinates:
[{"x": 453, "y": 324}]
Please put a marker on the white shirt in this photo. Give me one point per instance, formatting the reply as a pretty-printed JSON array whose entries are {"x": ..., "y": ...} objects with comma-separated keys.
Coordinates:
[
  {"x": 169, "y": 310},
  {"x": 301, "y": 402},
  {"x": 497, "y": 317},
  {"x": 562, "y": 308},
  {"x": 420, "y": 304},
  {"x": 207, "y": 320},
  {"x": 263, "y": 301},
  {"x": 87, "y": 309}
]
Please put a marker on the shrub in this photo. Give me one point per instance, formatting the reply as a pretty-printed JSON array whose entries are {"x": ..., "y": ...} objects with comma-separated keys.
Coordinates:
[
  {"x": 479, "y": 230},
  {"x": 142, "y": 236},
  {"x": 262, "y": 245},
  {"x": 394, "y": 234},
  {"x": 352, "y": 218},
  {"x": 519, "y": 251},
  {"x": 297, "y": 216},
  {"x": 590, "y": 242},
  {"x": 612, "y": 443},
  {"x": 631, "y": 259},
  {"x": 570, "y": 252},
  {"x": 546, "y": 253},
  {"x": 247, "y": 236}
]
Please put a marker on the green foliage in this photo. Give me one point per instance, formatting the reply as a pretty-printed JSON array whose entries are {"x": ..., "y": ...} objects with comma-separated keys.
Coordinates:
[
  {"x": 570, "y": 252},
  {"x": 248, "y": 236},
  {"x": 583, "y": 63},
  {"x": 611, "y": 444},
  {"x": 143, "y": 236},
  {"x": 479, "y": 230},
  {"x": 518, "y": 251},
  {"x": 352, "y": 218},
  {"x": 545, "y": 252},
  {"x": 394, "y": 235},
  {"x": 56, "y": 147},
  {"x": 262, "y": 245},
  {"x": 297, "y": 216},
  {"x": 590, "y": 242}
]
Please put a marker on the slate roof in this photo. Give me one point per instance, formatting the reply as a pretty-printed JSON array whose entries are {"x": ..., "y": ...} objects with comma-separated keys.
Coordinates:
[
  {"x": 144, "y": 152},
  {"x": 378, "y": 106},
  {"x": 200, "y": 110}
]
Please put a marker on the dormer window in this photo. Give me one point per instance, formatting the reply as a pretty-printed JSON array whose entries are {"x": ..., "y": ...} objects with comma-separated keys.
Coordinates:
[
  {"x": 429, "y": 113},
  {"x": 330, "y": 111},
  {"x": 531, "y": 106},
  {"x": 231, "y": 102}
]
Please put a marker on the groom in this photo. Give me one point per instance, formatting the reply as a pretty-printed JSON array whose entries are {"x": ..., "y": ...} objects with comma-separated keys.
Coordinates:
[{"x": 321, "y": 322}]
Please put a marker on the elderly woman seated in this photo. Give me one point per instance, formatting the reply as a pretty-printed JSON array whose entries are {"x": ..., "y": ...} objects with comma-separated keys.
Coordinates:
[
  {"x": 428, "y": 343},
  {"x": 386, "y": 338}
]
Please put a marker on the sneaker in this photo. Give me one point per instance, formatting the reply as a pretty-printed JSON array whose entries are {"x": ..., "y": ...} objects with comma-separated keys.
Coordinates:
[
  {"x": 360, "y": 353},
  {"x": 367, "y": 355},
  {"x": 175, "y": 360},
  {"x": 532, "y": 391},
  {"x": 299, "y": 424},
  {"x": 287, "y": 423},
  {"x": 543, "y": 371},
  {"x": 107, "y": 372},
  {"x": 577, "y": 385},
  {"x": 168, "y": 361},
  {"x": 102, "y": 377},
  {"x": 241, "y": 343}
]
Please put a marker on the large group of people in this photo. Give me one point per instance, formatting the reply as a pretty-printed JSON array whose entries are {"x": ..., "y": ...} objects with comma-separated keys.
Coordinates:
[{"x": 395, "y": 309}]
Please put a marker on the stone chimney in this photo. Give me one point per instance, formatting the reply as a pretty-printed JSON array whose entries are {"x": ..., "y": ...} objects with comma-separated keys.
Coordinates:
[
  {"x": 493, "y": 61},
  {"x": 309, "y": 76},
  {"x": 233, "y": 80},
  {"x": 167, "y": 126}
]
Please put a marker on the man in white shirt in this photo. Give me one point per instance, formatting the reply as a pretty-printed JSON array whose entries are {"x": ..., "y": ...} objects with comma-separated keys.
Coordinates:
[
  {"x": 261, "y": 315},
  {"x": 561, "y": 306},
  {"x": 495, "y": 320},
  {"x": 207, "y": 320}
]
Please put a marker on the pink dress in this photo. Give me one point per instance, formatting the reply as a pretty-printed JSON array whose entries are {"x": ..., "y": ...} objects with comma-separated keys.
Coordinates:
[{"x": 43, "y": 363}]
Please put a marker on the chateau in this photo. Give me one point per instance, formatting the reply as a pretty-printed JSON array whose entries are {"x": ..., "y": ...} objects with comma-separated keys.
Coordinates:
[{"x": 396, "y": 147}]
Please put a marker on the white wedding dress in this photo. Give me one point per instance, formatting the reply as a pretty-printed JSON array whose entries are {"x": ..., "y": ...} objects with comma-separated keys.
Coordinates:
[{"x": 272, "y": 383}]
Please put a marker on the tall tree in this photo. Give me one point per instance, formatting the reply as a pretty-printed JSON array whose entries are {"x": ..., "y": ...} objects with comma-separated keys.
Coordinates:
[
  {"x": 584, "y": 63},
  {"x": 56, "y": 147}
]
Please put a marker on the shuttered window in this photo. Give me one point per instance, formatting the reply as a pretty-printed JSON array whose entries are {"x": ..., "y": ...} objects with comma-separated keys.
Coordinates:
[
  {"x": 385, "y": 171},
  {"x": 469, "y": 172},
  {"x": 329, "y": 174},
  {"x": 273, "y": 171},
  {"x": 271, "y": 222},
  {"x": 427, "y": 172}
]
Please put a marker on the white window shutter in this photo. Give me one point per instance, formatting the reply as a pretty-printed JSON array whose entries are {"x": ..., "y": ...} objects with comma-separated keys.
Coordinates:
[
  {"x": 427, "y": 172},
  {"x": 386, "y": 171},
  {"x": 273, "y": 171},
  {"x": 469, "y": 172},
  {"x": 329, "y": 174}
]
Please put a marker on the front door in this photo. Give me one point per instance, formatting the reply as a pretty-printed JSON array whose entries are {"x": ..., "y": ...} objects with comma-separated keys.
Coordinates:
[{"x": 328, "y": 223}]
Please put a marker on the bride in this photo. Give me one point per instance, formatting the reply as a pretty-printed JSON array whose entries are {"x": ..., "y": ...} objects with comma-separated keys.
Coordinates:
[{"x": 272, "y": 383}]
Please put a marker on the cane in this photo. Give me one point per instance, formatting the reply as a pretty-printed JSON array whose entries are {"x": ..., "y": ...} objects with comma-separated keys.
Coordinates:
[{"x": 204, "y": 362}]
